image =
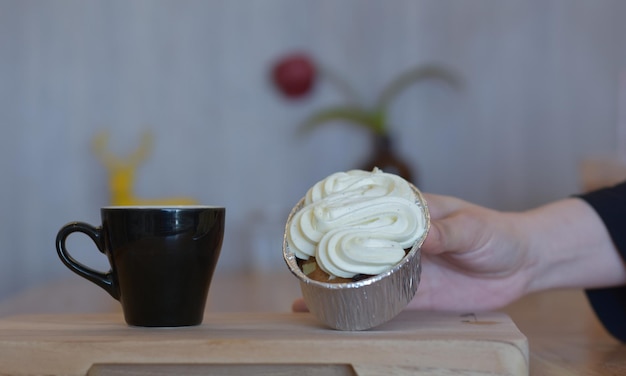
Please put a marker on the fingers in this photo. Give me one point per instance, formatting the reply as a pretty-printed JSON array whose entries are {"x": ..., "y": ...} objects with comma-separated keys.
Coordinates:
[
  {"x": 441, "y": 206},
  {"x": 433, "y": 243},
  {"x": 299, "y": 306},
  {"x": 455, "y": 225},
  {"x": 438, "y": 207},
  {"x": 446, "y": 235}
]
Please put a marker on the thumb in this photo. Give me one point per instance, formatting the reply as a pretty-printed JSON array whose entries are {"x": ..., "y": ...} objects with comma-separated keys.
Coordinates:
[
  {"x": 458, "y": 232},
  {"x": 434, "y": 243},
  {"x": 444, "y": 213}
]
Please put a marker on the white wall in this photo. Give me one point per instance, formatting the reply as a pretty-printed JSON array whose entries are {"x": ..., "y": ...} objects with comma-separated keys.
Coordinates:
[{"x": 541, "y": 94}]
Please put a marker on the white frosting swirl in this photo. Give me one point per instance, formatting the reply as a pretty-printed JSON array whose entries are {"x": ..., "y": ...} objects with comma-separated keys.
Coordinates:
[{"x": 356, "y": 222}]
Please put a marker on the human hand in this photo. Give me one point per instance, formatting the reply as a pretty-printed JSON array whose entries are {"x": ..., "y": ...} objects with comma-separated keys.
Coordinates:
[{"x": 473, "y": 257}]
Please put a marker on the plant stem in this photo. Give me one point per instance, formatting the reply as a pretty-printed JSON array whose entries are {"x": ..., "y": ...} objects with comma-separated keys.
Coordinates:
[
  {"x": 342, "y": 85},
  {"x": 411, "y": 76}
]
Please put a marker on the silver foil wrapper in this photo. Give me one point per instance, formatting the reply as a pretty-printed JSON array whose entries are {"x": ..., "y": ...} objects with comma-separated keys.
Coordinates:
[{"x": 367, "y": 303}]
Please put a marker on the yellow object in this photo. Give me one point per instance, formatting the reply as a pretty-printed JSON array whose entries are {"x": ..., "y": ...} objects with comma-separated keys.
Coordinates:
[{"x": 122, "y": 172}]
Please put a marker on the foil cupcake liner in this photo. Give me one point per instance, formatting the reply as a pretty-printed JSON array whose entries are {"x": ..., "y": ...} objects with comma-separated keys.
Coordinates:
[{"x": 367, "y": 303}]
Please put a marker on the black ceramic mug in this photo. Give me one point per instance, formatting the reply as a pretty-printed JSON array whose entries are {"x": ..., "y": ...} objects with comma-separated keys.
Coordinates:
[{"x": 162, "y": 260}]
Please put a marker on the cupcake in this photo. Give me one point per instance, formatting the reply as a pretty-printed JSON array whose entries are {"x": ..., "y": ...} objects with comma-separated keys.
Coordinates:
[{"x": 353, "y": 242}]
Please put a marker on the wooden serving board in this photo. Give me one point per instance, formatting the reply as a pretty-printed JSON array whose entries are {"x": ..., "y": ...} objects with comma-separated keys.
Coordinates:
[{"x": 415, "y": 343}]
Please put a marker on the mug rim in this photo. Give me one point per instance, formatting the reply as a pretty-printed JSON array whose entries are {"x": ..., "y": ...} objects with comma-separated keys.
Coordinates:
[{"x": 160, "y": 207}]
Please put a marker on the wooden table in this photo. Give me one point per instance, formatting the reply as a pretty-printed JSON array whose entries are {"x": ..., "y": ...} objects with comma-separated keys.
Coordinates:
[{"x": 564, "y": 336}]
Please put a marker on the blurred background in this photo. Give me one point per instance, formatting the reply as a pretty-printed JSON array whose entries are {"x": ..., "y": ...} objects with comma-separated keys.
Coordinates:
[{"x": 541, "y": 96}]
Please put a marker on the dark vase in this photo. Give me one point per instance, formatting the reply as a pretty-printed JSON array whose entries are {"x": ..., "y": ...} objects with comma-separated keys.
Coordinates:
[{"x": 384, "y": 157}]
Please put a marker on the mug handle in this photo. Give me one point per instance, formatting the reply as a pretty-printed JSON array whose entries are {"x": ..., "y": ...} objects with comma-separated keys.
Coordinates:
[{"x": 105, "y": 280}]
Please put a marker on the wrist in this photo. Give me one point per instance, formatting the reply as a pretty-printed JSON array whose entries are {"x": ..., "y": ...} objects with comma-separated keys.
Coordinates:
[{"x": 569, "y": 247}]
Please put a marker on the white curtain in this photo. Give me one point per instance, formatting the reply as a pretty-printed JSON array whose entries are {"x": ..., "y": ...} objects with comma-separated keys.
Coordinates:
[{"x": 541, "y": 81}]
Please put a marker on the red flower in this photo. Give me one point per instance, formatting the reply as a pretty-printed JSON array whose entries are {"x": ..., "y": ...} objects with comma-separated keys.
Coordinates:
[{"x": 294, "y": 75}]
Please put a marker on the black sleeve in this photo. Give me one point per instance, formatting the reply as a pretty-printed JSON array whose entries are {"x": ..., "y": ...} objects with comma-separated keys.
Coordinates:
[{"x": 610, "y": 303}]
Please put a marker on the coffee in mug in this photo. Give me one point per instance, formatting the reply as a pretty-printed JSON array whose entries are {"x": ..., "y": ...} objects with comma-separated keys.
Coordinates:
[{"x": 162, "y": 260}]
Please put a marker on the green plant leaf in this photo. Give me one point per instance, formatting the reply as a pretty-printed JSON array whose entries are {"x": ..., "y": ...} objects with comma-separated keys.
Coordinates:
[{"x": 372, "y": 120}]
